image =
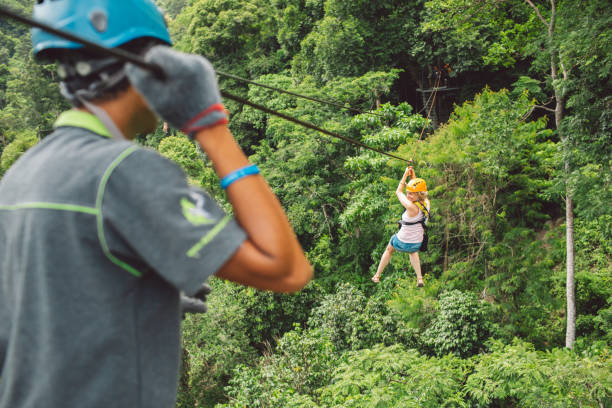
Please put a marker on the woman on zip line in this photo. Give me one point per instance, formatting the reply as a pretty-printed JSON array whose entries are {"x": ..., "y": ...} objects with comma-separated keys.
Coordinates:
[{"x": 410, "y": 236}]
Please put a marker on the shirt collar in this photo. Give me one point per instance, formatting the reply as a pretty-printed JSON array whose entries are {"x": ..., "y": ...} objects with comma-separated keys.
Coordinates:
[{"x": 81, "y": 119}]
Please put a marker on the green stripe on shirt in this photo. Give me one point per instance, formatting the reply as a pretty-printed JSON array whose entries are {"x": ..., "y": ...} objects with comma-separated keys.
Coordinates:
[
  {"x": 100, "y": 220},
  {"x": 194, "y": 251},
  {"x": 51, "y": 206}
]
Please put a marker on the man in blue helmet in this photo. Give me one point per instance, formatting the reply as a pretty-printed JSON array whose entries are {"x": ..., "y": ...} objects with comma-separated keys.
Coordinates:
[{"x": 99, "y": 236}]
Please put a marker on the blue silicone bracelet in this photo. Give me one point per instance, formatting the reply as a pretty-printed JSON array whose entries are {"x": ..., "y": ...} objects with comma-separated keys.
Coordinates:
[{"x": 238, "y": 174}]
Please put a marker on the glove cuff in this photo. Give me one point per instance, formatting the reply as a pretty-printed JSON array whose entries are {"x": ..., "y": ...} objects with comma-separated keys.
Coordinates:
[{"x": 213, "y": 115}]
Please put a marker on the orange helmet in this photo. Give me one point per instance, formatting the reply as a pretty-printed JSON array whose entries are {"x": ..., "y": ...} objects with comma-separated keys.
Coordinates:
[{"x": 415, "y": 185}]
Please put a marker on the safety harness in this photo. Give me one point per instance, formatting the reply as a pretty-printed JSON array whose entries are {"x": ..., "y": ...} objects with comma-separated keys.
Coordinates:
[{"x": 423, "y": 222}]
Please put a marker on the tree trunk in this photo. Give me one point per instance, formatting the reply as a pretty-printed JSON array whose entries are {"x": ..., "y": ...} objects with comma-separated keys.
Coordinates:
[
  {"x": 377, "y": 99},
  {"x": 555, "y": 62},
  {"x": 570, "y": 331},
  {"x": 570, "y": 284}
]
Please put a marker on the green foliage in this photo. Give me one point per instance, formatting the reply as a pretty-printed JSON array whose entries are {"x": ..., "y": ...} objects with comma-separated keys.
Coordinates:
[
  {"x": 152, "y": 140},
  {"x": 517, "y": 375},
  {"x": 594, "y": 279},
  {"x": 269, "y": 315},
  {"x": 296, "y": 19},
  {"x": 172, "y": 7},
  {"x": 253, "y": 389},
  {"x": 585, "y": 42},
  {"x": 182, "y": 152},
  {"x": 22, "y": 142},
  {"x": 326, "y": 51},
  {"x": 572, "y": 58},
  {"x": 440, "y": 322},
  {"x": 490, "y": 157},
  {"x": 489, "y": 171},
  {"x": 521, "y": 273},
  {"x": 511, "y": 375},
  {"x": 228, "y": 31},
  {"x": 393, "y": 377},
  {"x": 460, "y": 327},
  {"x": 351, "y": 321},
  {"x": 31, "y": 99},
  {"x": 506, "y": 33},
  {"x": 240, "y": 324},
  {"x": 302, "y": 362},
  {"x": 355, "y": 37},
  {"x": 416, "y": 307},
  {"x": 529, "y": 85},
  {"x": 214, "y": 344}
]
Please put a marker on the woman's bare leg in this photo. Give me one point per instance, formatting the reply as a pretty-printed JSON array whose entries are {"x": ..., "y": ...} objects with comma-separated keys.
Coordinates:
[
  {"x": 416, "y": 264},
  {"x": 384, "y": 261}
]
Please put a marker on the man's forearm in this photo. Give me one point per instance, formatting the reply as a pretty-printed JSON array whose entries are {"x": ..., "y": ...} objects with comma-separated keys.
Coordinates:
[{"x": 272, "y": 257}]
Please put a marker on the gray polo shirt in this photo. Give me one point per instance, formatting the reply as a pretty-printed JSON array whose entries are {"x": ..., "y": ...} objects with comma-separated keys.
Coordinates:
[{"x": 97, "y": 238}]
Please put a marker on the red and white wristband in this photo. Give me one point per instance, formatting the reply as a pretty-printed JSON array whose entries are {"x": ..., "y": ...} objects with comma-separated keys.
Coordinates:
[{"x": 213, "y": 115}]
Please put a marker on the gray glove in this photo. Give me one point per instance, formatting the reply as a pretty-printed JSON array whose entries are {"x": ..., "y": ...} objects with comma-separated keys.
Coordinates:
[
  {"x": 188, "y": 98},
  {"x": 203, "y": 292},
  {"x": 195, "y": 304},
  {"x": 192, "y": 305}
]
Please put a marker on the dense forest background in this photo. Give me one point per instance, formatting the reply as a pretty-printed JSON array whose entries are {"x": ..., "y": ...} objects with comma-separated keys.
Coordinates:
[{"x": 517, "y": 155}]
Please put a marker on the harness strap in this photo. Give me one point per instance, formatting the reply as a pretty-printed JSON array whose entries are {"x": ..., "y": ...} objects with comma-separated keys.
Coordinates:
[
  {"x": 423, "y": 209},
  {"x": 104, "y": 118},
  {"x": 422, "y": 221},
  {"x": 412, "y": 223}
]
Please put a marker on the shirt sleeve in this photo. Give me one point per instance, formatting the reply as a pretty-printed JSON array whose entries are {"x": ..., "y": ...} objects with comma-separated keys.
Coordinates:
[{"x": 151, "y": 216}]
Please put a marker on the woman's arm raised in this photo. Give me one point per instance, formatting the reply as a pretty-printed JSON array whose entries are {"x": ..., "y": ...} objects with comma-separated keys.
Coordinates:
[{"x": 399, "y": 192}]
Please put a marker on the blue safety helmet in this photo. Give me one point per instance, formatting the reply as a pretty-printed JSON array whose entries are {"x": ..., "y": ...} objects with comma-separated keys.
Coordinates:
[{"x": 110, "y": 23}]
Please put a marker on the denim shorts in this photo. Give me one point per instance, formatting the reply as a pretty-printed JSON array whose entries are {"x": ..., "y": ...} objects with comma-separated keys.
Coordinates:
[{"x": 404, "y": 246}]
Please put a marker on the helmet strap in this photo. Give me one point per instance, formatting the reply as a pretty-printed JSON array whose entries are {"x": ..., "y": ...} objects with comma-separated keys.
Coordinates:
[
  {"x": 103, "y": 116},
  {"x": 100, "y": 79}
]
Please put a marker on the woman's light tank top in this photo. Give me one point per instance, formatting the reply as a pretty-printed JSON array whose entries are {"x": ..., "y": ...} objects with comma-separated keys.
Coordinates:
[{"x": 412, "y": 234}]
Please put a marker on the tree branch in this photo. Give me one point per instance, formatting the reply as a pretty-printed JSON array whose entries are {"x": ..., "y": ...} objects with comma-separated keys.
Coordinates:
[
  {"x": 545, "y": 108},
  {"x": 533, "y": 6},
  {"x": 565, "y": 71}
]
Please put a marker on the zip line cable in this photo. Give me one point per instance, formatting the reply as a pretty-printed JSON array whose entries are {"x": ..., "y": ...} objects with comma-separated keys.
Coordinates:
[
  {"x": 310, "y": 98},
  {"x": 308, "y": 125},
  {"x": 140, "y": 62}
]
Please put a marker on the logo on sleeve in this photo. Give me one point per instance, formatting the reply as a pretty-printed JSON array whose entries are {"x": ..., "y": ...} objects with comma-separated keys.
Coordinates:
[{"x": 195, "y": 212}]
